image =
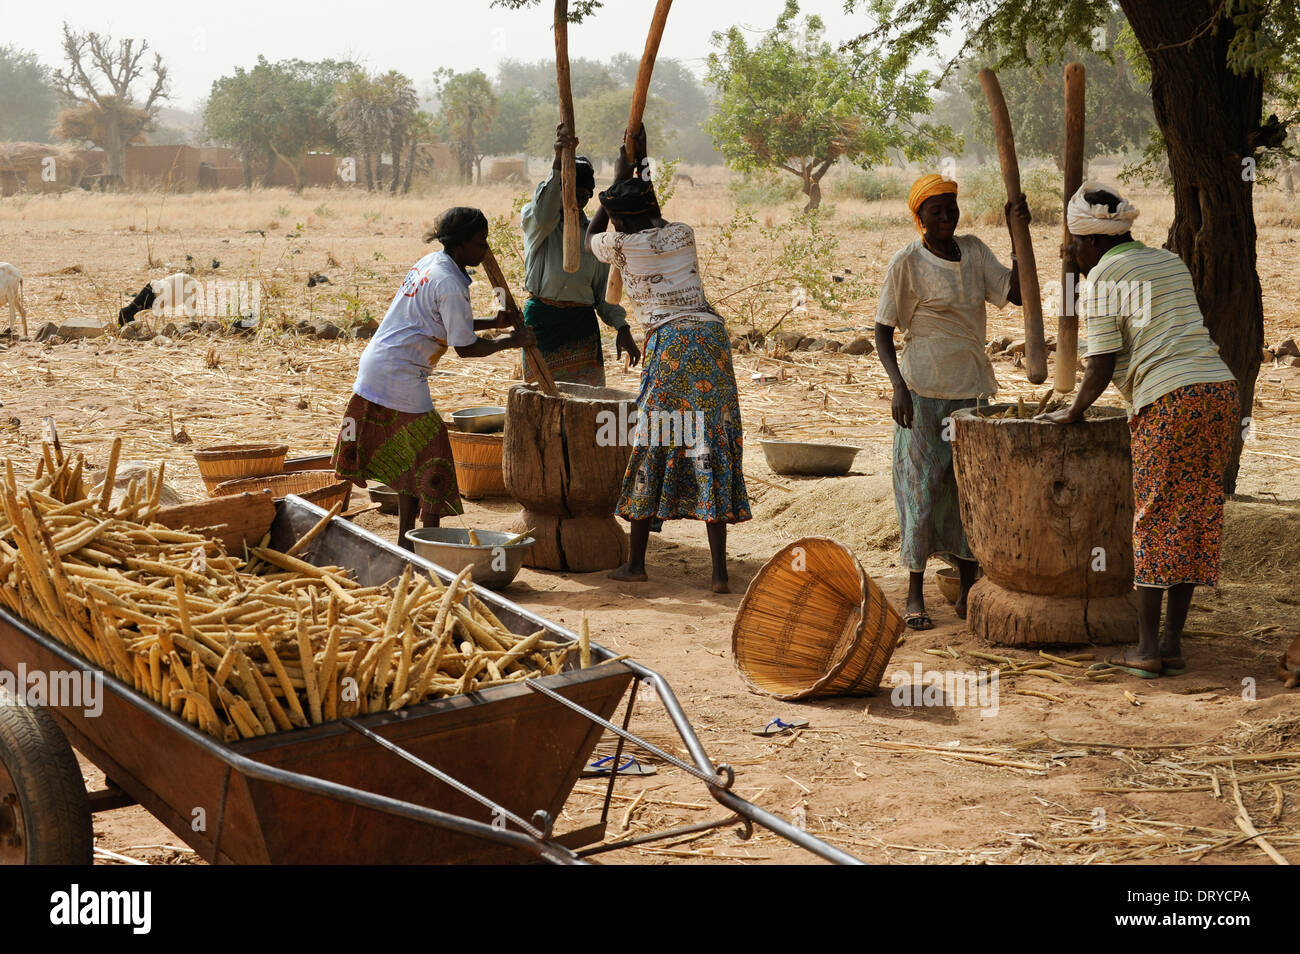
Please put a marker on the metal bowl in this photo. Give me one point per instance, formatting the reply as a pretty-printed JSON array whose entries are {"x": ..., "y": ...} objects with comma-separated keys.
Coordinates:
[
  {"x": 385, "y": 496},
  {"x": 809, "y": 460},
  {"x": 495, "y": 565},
  {"x": 480, "y": 420}
]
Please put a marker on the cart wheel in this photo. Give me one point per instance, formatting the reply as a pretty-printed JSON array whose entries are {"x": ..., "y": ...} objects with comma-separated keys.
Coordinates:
[{"x": 44, "y": 810}]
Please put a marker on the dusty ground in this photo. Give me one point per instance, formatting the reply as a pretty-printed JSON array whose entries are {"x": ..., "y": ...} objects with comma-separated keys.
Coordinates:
[{"x": 848, "y": 775}]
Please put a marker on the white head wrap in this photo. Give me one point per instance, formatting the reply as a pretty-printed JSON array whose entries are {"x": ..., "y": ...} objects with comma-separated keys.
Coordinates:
[{"x": 1085, "y": 219}]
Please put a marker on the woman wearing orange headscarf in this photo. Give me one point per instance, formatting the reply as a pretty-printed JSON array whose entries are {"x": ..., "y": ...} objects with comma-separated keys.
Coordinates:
[{"x": 935, "y": 291}]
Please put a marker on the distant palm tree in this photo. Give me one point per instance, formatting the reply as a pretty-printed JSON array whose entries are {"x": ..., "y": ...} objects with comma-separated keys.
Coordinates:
[
  {"x": 400, "y": 105},
  {"x": 362, "y": 116},
  {"x": 420, "y": 129}
]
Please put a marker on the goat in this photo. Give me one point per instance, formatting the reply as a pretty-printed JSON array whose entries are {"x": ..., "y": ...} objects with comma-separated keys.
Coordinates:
[
  {"x": 11, "y": 292},
  {"x": 167, "y": 297}
]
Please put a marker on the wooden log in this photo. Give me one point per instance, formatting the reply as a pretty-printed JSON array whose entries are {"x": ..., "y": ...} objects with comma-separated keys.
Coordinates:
[
  {"x": 535, "y": 360},
  {"x": 568, "y": 166},
  {"x": 1048, "y": 513},
  {"x": 1067, "y": 325},
  {"x": 1035, "y": 346},
  {"x": 564, "y": 459},
  {"x": 640, "y": 93}
]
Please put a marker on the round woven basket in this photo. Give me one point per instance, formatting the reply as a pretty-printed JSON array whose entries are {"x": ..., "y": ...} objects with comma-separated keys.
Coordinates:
[
  {"x": 321, "y": 487},
  {"x": 812, "y": 623},
  {"x": 222, "y": 462},
  {"x": 478, "y": 463}
]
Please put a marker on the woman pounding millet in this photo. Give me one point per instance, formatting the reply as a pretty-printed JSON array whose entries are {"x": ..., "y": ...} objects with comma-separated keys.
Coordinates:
[
  {"x": 1147, "y": 336},
  {"x": 391, "y": 432},
  {"x": 935, "y": 291},
  {"x": 687, "y": 378}
]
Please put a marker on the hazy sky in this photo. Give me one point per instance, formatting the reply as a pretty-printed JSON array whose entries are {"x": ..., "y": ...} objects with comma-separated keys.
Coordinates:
[{"x": 202, "y": 41}]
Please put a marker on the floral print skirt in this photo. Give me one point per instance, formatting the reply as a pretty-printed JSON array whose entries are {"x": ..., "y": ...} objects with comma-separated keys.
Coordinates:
[
  {"x": 687, "y": 456},
  {"x": 1181, "y": 446}
]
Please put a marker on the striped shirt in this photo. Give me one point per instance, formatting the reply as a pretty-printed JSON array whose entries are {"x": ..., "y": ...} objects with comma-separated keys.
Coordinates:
[{"x": 1139, "y": 304}]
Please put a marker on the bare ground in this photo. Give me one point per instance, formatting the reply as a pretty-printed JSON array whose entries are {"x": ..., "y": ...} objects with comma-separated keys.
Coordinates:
[{"x": 856, "y": 775}]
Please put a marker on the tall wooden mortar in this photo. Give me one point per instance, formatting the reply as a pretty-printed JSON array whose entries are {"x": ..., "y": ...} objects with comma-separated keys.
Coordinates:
[
  {"x": 564, "y": 461},
  {"x": 1048, "y": 512}
]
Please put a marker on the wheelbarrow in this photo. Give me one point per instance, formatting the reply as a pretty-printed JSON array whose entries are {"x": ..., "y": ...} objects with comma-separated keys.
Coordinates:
[{"x": 478, "y": 777}]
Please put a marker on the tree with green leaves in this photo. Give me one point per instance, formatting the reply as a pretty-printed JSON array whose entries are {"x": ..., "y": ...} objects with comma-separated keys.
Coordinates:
[
  {"x": 469, "y": 107},
  {"x": 1118, "y": 116},
  {"x": 401, "y": 104},
  {"x": 27, "y": 90},
  {"x": 279, "y": 110},
  {"x": 1210, "y": 62},
  {"x": 793, "y": 102},
  {"x": 602, "y": 118},
  {"x": 97, "y": 87},
  {"x": 511, "y": 131}
]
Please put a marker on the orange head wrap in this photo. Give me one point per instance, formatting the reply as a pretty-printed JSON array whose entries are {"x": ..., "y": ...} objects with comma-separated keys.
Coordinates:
[{"x": 925, "y": 187}]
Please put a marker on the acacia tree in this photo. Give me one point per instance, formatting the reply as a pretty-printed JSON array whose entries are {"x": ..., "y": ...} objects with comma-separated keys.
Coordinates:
[
  {"x": 468, "y": 108},
  {"x": 97, "y": 91},
  {"x": 795, "y": 103},
  {"x": 1210, "y": 61}
]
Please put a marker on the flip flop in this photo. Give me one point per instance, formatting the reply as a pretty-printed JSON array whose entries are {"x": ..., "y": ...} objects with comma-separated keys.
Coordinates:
[
  {"x": 1133, "y": 670},
  {"x": 777, "y": 727},
  {"x": 918, "y": 621},
  {"x": 630, "y": 767},
  {"x": 1172, "y": 665}
]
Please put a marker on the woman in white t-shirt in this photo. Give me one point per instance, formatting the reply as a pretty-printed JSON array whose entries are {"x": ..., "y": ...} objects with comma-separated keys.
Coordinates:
[
  {"x": 391, "y": 432},
  {"x": 686, "y": 459},
  {"x": 935, "y": 292}
]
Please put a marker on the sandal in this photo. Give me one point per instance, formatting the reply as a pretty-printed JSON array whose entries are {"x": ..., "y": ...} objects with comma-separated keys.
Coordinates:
[
  {"x": 919, "y": 621},
  {"x": 1172, "y": 665},
  {"x": 777, "y": 727},
  {"x": 1122, "y": 662},
  {"x": 600, "y": 767}
]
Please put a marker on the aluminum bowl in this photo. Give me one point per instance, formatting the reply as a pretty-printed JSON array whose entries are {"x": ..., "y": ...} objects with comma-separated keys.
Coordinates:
[
  {"x": 385, "y": 496},
  {"x": 480, "y": 420},
  {"x": 809, "y": 460},
  {"x": 495, "y": 565}
]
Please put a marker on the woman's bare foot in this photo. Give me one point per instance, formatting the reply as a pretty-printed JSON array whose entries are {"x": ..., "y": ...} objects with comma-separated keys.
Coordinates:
[{"x": 626, "y": 574}]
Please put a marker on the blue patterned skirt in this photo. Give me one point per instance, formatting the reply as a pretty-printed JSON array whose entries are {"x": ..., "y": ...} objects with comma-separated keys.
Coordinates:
[{"x": 687, "y": 458}]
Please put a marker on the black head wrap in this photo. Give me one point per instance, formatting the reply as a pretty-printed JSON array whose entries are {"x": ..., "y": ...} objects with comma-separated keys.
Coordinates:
[
  {"x": 630, "y": 197},
  {"x": 457, "y": 225},
  {"x": 586, "y": 174}
]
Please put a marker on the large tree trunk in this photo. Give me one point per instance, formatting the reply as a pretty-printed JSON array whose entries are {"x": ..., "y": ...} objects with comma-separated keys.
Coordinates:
[
  {"x": 1210, "y": 118},
  {"x": 369, "y": 170},
  {"x": 397, "y": 160}
]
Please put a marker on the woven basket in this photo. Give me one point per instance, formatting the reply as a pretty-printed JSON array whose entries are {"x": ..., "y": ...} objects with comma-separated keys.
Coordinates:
[
  {"x": 812, "y": 623},
  {"x": 321, "y": 487},
  {"x": 223, "y": 462},
  {"x": 478, "y": 463}
]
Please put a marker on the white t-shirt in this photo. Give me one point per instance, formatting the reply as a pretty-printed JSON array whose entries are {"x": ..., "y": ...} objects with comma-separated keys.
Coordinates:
[
  {"x": 661, "y": 273},
  {"x": 430, "y": 313},
  {"x": 939, "y": 307}
]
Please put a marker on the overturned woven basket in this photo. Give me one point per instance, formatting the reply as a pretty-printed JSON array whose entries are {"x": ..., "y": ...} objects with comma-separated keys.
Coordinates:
[
  {"x": 321, "y": 487},
  {"x": 812, "y": 623},
  {"x": 223, "y": 462},
  {"x": 478, "y": 463}
]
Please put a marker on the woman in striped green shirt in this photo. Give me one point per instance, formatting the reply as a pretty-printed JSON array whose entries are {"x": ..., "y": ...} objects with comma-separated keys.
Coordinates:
[{"x": 1146, "y": 335}]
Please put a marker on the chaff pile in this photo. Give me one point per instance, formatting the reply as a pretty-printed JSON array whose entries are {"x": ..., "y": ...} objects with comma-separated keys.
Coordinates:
[{"x": 240, "y": 649}]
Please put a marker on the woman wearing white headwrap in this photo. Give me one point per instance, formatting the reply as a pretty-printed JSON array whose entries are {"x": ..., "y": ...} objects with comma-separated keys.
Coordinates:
[{"x": 1146, "y": 335}]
